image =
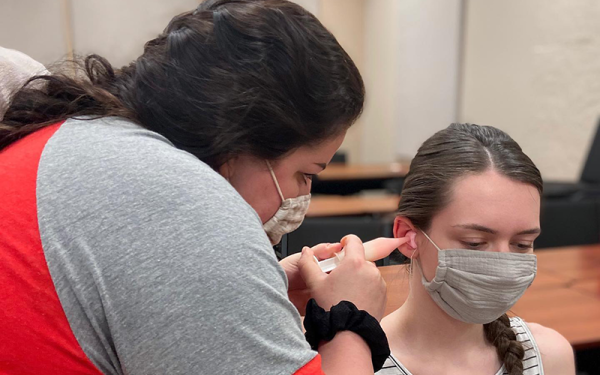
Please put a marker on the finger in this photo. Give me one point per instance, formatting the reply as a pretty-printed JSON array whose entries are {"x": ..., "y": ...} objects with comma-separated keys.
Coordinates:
[
  {"x": 319, "y": 248},
  {"x": 309, "y": 269},
  {"x": 289, "y": 261},
  {"x": 290, "y": 266},
  {"x": 353, "y": 247},
  {"x": 380, "y": 248},
  {"x": 326, "y": 252}
]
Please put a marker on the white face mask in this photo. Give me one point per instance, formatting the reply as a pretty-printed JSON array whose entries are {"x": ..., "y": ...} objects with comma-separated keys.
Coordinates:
[
  {"x": 476, "y": 286},
  {"x": 288, "y": 217}
]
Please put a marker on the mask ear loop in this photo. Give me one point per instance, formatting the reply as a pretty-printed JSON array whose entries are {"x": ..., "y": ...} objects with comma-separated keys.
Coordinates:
[
  {"x": 410, "y": 268},
  {"x": 438, "y": 250},
  {"x": 430, "y": 240},
  {"x": 275, "y": 180}
]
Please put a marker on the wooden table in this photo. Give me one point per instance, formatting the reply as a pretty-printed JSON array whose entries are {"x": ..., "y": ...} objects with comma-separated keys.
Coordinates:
[
  {"x": 565, "y": 295},
  {"x": 348, "y": 179},
  {"x": 340, "y": 172},
  {"x": 575, "y": 264},
  {"x": 335, "y": 205}
]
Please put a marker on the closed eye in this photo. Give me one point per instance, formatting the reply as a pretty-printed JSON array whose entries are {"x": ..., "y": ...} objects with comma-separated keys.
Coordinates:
[
  {"x": 525, "y": 246},
  {"x": 473, "y": 245}
]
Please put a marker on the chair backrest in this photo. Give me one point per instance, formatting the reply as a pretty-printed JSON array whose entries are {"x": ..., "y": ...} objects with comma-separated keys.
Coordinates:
[
  {"x": 591, "y": 169},
  {"x": 569, "y": 223},
  {"x": 331, "y": 229},
  {"x": 339, "y": 158}
]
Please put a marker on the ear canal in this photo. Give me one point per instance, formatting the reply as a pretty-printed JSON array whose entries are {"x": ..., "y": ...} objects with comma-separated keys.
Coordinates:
[{"x": 412, "y": 243}]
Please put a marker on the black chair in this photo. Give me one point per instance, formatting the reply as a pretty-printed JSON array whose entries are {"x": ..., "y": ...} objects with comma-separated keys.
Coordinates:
[
  {"x": 394, "y": 186},
  {"x": 331, "y": 229},
  {"x": 339, "y": 158},
  {"x": 569, "y": 223},
  {"x": 589, "y": 182}
]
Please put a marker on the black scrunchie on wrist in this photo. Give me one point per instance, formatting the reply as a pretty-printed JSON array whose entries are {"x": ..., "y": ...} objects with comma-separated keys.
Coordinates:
[{"x": 322, "y": 325}]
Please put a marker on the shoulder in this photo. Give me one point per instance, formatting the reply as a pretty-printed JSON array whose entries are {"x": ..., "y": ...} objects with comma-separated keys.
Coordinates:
[
  {"x": 116, "y": 181},
  {"x": 557, "y": 353},
  {"x": 124, "y": 158}
]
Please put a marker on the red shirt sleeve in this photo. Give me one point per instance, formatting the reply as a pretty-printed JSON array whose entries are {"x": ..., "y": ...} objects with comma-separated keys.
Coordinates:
[{"x": 311, "y": 368}]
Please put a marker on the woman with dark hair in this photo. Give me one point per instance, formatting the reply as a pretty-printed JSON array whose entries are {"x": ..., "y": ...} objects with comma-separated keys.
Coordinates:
[
  {"x": 470, "y": 210},
  {"x": 138, "y": 207}
]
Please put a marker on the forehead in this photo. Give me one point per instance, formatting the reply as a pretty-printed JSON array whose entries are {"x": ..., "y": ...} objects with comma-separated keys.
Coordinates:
[
  {"x": 491, "y": 200},
  {"x": 320, "y": 153}
]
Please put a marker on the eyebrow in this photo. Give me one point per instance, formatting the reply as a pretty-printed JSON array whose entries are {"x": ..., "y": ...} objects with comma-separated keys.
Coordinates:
[
  {"x": 531, "y": 231},
  {"x": 481, "y": 228},
  {"x": 476, "y": 227}
]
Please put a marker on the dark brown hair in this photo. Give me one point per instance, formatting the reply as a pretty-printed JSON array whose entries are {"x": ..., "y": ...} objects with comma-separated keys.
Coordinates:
[
  {"x": 258, "y": 77},
  {"x": 456, "y": 151}
]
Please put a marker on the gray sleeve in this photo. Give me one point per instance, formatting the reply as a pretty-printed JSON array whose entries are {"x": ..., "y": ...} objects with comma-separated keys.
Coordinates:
[{"x": 161, "y": 267}]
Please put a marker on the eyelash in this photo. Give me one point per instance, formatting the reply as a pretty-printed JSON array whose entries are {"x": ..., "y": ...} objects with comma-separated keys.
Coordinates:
[
  {"x": 525, "y": 246},
  {"x": 472, "y": 245},
  {"x": 475, "y": 245},
  {"x": 308, "y": 176}
]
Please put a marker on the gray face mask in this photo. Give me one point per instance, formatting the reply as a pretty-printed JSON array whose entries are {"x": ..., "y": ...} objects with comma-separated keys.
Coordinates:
[{"x": 476, "y": 286}]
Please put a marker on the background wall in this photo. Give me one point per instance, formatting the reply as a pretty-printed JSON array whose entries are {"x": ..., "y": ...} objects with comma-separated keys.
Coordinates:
[
  {"x": 531, "y": 68},
  {"x": 429, "y": 36},
  {"x": 34, "y": 27},
  {"x": 346, "y": 20},
  {"x": 528, "y": 67},
  {"x": 118, "y": 29},
  {"x": 408, "y": 52}
]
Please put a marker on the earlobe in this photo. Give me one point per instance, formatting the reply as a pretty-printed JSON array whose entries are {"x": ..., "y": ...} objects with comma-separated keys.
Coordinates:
[
  {"x": 403, "y": 228},
  {"x": 227, "y": 169}
]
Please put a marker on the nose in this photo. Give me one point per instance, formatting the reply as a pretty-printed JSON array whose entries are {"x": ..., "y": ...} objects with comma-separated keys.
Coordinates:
[{"x": 504, "y": 247}]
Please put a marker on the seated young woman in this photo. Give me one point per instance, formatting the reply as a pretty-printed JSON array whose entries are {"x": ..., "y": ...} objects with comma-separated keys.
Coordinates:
[{"x": 470, "y": 208}]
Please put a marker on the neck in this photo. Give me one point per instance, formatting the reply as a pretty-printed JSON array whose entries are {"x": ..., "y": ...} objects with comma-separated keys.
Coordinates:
[{"x": 422, "y": 326}]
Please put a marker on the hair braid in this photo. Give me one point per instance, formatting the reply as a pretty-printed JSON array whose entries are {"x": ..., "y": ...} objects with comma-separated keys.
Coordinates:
[{"x": 509, "y": 349}]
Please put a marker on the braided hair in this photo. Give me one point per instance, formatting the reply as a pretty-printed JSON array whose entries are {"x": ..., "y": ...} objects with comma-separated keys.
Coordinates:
[{"x": 510, "y": 351}]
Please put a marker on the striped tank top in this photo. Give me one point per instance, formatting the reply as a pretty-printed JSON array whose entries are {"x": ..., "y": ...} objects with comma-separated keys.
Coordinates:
[{"x": 532, "y": 361}]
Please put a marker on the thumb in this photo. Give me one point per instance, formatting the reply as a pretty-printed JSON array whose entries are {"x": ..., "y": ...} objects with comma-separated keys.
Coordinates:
[{"x": 309, "y": 269}]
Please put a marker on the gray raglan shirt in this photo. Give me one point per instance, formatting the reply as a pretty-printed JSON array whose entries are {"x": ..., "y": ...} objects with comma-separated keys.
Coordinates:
[{"x": 160, "y": 266}]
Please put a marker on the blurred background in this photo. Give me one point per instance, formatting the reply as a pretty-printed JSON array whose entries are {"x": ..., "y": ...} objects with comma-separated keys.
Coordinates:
[
  {"x": 527, "y": 67},
  {"x": 530, "y": 68}
]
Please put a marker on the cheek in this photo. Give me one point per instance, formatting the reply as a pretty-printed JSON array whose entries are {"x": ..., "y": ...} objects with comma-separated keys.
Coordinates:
[
  {"x": 265, "y": 207},
  {"x": 259, "y": 193},
  {"x": 293, "y": 186}
]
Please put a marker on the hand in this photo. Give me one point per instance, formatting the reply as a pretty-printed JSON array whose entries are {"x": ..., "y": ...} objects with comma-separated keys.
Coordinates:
[
  {"x": 298, "y": 293},
  {"x": 354, "y": 279}
]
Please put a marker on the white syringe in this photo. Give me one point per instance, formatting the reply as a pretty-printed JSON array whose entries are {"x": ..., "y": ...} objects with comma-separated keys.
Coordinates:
[{"x": 375, "y": 249}]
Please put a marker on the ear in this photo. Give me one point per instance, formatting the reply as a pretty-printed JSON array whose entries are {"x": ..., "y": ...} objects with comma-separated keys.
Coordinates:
[
  {"x": 226, "y": 169},
  {"x": 404, "y": 228}
]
